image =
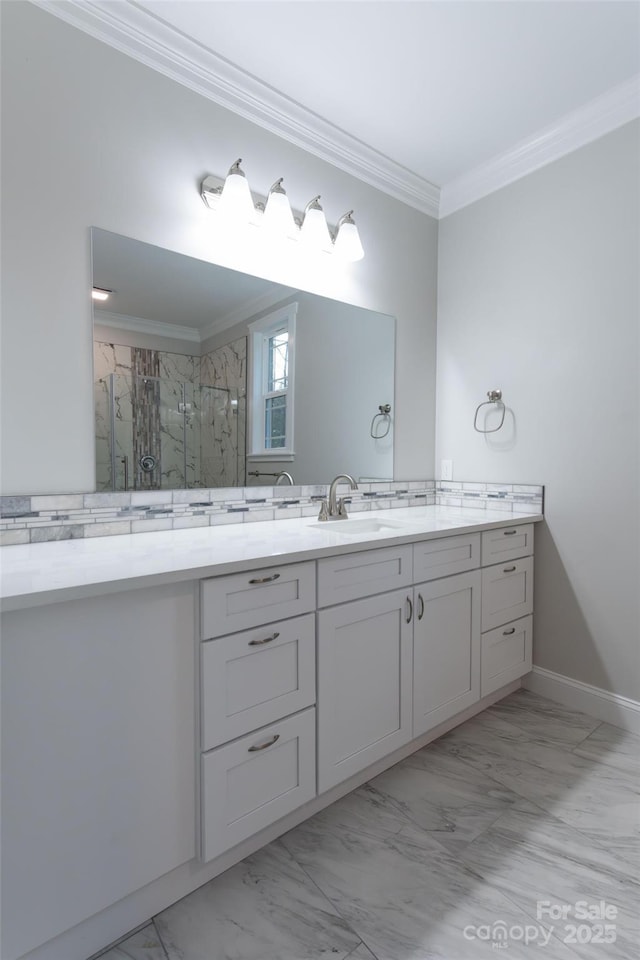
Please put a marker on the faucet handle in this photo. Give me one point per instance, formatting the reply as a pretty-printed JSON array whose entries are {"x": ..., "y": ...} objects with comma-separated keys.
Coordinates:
[
  {"x": 324, "y": 511},
  {"x": 342, "y": 508}
]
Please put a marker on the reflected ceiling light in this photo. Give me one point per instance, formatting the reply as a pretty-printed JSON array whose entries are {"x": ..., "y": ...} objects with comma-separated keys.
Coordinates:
[
  {"x": 232, "y": 196},
  {"x": 277, "y": 212},
  {"x": 347, "y": 243},
  {"x": 100, "y": 293}
]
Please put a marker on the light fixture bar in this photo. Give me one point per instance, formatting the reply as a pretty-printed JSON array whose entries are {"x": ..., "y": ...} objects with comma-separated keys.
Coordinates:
[{"x": 342, "y": 239}]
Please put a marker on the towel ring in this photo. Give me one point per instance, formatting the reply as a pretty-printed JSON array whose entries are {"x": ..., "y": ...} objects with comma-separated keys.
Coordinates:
[
  {"x": 495, "y": 396},
  {"x": 385, "y": 410}
]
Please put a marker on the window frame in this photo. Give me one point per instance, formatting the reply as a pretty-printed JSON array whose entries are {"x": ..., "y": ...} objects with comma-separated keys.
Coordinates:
[{"x": 260, "y": 332}]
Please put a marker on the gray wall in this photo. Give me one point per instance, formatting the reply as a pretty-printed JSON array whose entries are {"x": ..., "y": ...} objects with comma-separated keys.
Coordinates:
[
  {"x": 538, "y": 295},
  {"x": 93, "y": 138}
]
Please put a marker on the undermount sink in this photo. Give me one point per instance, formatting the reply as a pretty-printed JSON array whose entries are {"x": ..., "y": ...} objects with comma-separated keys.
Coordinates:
[{"x": 354, "y": 528}]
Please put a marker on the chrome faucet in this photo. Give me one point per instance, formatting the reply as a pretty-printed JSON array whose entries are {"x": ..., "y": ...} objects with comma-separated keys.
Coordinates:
[
  {"x": 335, "y": 509},
  {"x": 283, "y": 475}
]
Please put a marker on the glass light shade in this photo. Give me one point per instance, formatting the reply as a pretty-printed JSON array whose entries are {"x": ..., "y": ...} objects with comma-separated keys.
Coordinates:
[
  {"x": 314, "y": 231},
  {"x": 236, "y": 200},
  {"x": 348, "y": 245},
  {"x": 99, "y": 294},
  {"x": 277, "y": 214}
]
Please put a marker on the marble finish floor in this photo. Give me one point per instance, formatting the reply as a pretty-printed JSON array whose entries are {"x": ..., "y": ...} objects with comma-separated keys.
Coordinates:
[{"x": 443, "y": 857}]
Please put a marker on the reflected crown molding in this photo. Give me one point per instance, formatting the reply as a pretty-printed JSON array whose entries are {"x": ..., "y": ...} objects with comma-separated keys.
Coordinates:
[
  {"x": 140, "y": 34},
  {"x": 119, "y": 321}
]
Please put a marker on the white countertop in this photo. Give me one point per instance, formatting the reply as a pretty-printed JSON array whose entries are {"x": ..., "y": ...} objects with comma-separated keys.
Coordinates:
[{"x": 36, "y": 574}]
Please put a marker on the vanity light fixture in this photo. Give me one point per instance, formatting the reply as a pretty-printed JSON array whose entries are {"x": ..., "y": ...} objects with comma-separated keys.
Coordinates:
[
  {"x": 100, "y": 293},
  {"x": 232, "y": 197}
]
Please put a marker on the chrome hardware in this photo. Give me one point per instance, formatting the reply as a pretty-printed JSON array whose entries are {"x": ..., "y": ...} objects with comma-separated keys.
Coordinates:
[
  {"x": 410, "y": 602},
  {"x": 125, "y": 462},
  {"x": 148, "y": 463},
  {"x": 259, "y": 643},
  {"x": 421, "y": 599},
  {"x": 283, "y": 475},
  {"x": 263, "y": 746},
  {"x": 324, "y": 511},
  {"x": 494, "y": 396},
  {"x": 508, "y": 569},
  {"x": 509, "y": 533},
  {"x": 338, "y": 512},
  {"x": 376, "y": 430},
  {"x": 507, "y": 633},
  {"x": 274, "y": 576}
]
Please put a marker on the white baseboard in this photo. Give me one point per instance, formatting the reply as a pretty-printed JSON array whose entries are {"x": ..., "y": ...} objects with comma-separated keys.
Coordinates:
[{"x": 609, "y": 707}]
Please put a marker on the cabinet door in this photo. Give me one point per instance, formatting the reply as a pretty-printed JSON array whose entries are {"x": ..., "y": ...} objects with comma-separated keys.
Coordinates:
[
  {"x": 507, "y": 592},
  {"x": 364, "y": 684},
  {"x": 506, "y": 654},
  {"x": 446, "y": 655}
]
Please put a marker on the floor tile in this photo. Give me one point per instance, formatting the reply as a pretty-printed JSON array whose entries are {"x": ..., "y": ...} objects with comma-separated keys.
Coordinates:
[
  {"x": 406, "y": 896},
  {"x": 613, "y": 747},
  {"x": 265, "y": 908},
  {"x": 544, "y": 720},
  {"x": 533, "y": 857},
  {"x": 445, "y": 797},
  {"x": 143, "y": 945}
]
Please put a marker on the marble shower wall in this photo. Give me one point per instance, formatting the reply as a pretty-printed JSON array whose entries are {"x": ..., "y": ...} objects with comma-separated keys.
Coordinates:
[
  {"x": 224, "y": 414},
  {"x": 188, "y": 412}
]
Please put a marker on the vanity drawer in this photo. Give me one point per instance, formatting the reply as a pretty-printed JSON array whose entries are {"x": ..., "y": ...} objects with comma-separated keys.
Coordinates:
[
  {"x": 506, "y": 654},
  {"x": 363, "y": 574},
  {"x": 441, "y": 558},
  {"x": 252, "y": 782},
  {"x": 507, "y": 592},
  {"x": 243, "y": 600},
  {"x": 255, "y": 677},
  {"x": 507, "y": 543}
]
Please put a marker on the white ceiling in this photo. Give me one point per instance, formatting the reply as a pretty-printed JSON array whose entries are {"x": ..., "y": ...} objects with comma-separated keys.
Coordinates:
[
  {"x": 439, "y": 87},
  {"x": 437, "y": 103}
]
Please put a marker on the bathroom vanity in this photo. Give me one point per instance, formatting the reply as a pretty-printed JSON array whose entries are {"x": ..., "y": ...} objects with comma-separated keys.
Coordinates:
[{"x": 171, "y": 702}]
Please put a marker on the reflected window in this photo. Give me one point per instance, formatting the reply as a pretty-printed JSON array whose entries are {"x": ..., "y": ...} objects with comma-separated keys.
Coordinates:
[{"x": 272, "y": 360}]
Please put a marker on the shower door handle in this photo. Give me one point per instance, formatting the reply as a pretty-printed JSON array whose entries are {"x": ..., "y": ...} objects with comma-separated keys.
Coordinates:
[{"x": 125, "y": 461}]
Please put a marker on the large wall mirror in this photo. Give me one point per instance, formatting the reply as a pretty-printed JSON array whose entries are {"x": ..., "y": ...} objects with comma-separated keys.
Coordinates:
[{"x": 207, "y": 377}]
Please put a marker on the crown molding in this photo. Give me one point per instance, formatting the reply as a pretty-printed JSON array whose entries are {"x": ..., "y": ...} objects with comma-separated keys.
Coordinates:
[
  {"x": 145, "y": 37},
  {"x": 139, "y": 325},
  {"x": 576, "y": 129},
  {"x": 246, "y": 311}
]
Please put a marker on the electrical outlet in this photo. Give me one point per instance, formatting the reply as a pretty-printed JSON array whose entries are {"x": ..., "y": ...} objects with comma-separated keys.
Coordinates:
[{"x": 446, "y": 469}]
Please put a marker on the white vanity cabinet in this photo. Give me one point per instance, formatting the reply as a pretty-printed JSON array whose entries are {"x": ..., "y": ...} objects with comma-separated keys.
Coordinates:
[
  {"x": 98, "y": 765},
  {"x": 257, "y": 696},
  {"x": 507, "y": 605}
]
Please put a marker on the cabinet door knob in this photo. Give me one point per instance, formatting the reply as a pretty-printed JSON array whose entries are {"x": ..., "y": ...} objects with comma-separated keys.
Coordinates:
[
  {"x": 259, "y": 643},
  {"x": 410, "y": 602},
  {"x": 263, "y": 746},
  {"x": 508, "y": 569},
  {"x": 274, "y": 576},
  {"x": 507, "y": 633},
  {"x": 421, "y": 599}
]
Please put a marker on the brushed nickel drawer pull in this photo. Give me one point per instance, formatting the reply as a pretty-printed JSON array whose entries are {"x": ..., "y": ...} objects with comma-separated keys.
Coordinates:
[
  {"x": 259, "y": 643},
  {"x": 509, "y": 569},
  {"x": 263, "y": 746},
  {"x": 507, "y": 633},
  {"x": 509, "y": 533},
  {"x": 409, "y": 601},
  {"x": 274, "y": 576},
  {"x": 421, "y": 599}
]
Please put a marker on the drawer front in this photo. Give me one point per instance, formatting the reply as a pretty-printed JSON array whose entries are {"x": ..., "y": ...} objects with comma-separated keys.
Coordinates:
[
  {"x": 363, "y": 574},
  {"x": 441, "y": 558},
  {"x": 506, "y": 654},
  {"x": 244, "y": 600},
  {"x": 507, "y": 543},
  {"x": 255, "y": 677},
  {"x": 252, "y": 782},
  {"x": 507, "y": 592}
]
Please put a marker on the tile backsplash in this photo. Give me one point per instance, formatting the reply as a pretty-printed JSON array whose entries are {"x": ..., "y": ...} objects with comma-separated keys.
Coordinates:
[{"x": 37, "y": 519}]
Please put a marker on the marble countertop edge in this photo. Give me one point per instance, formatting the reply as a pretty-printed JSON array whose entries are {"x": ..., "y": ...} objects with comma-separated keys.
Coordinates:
[{"x": 44, "y": 573}]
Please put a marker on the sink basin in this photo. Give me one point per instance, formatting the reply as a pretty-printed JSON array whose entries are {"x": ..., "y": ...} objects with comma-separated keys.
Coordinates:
[{"x": 355, "y": 528}]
